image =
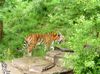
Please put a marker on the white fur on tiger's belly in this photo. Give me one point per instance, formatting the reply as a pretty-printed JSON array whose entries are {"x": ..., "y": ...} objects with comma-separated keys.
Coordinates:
[{"x": 40, "y": 41}]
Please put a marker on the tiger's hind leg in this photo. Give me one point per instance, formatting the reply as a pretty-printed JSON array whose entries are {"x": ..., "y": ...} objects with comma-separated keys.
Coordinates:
[{"x": 29, "y": 49}]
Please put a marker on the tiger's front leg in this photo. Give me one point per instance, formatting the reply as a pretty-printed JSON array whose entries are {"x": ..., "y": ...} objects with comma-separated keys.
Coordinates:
[
  {"x": 52, "y": 46},
  {"x": 49, "y": 46}
]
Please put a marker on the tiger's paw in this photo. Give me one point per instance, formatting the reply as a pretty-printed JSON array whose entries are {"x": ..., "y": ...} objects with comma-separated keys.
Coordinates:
[
  {"x": 52, "y": 48},
  {"x": 29, "y": 54}
]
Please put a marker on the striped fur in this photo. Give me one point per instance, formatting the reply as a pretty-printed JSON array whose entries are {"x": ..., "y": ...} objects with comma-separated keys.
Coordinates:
[{"x": 32, "y": 40}]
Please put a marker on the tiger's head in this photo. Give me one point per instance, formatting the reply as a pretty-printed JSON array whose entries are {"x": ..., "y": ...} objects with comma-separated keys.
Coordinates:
[{"x": 58, "y": 37}]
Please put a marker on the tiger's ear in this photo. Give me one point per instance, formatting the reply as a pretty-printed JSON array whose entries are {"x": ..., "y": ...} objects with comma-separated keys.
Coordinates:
[{"x": 54, "y": 34}]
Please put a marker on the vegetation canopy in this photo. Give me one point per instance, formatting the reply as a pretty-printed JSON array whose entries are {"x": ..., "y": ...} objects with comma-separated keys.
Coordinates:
[{"x": 77, "y": 20}]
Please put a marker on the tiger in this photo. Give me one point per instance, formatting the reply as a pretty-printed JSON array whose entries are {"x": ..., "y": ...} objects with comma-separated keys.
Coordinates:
[{"x": 47, "y": 39}]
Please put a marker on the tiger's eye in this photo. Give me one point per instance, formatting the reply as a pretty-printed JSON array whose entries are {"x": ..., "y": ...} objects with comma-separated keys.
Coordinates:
[{"x": 58, "y": 34}]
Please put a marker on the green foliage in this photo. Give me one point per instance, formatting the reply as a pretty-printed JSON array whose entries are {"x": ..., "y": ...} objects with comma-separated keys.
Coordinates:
[{"x": 77, "y": 20}]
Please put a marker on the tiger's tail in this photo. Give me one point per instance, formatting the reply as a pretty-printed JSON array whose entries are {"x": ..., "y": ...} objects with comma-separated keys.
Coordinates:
[
  {"x": 24, "y": 45},
  {"x": 24, "y": 48}
]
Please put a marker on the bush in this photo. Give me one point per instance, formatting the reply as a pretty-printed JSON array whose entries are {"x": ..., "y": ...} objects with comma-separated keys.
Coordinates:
[{"x": 77, "y": 20}]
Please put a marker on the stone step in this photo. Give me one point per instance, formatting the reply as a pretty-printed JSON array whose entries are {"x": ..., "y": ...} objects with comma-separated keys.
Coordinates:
[
  {"x": 50, "y": 64},
  {"x": 10, "y": 68},
  {"x": 36, "y": 67}
]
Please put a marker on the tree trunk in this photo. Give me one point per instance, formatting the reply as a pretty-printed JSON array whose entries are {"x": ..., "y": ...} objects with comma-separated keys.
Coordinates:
[
  {"x": 1, "y": 20},
  {"x": 2, "y": 2},
  {"x": 1, "y": 30}
]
